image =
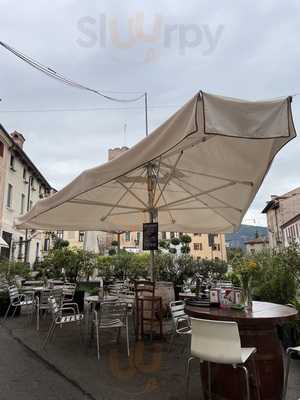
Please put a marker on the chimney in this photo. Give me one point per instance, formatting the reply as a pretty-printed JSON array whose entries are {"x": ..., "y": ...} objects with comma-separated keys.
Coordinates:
[
  {"x": 18, "y": 138},
  {"x": 116, "y": 152}
]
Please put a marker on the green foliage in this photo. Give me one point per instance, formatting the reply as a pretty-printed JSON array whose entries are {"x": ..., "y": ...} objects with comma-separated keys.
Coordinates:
[
  {"x": 175, "y": 241},
  {"x": 60, "y": 243},
  {"x": 172, "y": 250},
  {"x": 277, "y": 274},
  {"x": 211, "y": 269},
  {"x": 185, "y": 249},
  {"x": 164, "y": 244},
  {"x": 9, "y": 270},
  {"x": 112, "y": 252},
  {"x": 114, "y": 243},
  {"x": 69, "y": 262},
  {"x": 185, "y": 239}
]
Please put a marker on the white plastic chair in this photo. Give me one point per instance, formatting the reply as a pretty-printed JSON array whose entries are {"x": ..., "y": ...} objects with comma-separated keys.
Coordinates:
[
  {"x": 218, "y": 342},
  {"x": 289, "y": 352},
  {"x": 181, "y": 321}
]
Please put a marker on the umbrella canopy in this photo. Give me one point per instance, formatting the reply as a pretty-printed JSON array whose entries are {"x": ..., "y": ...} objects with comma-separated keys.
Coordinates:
[
  {"x": 3, "y": 243},
  {"x": 198, "y": 172}
]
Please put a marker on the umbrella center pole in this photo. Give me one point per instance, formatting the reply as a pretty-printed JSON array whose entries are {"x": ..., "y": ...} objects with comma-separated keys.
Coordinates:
[{"x": 151, "y": 175}]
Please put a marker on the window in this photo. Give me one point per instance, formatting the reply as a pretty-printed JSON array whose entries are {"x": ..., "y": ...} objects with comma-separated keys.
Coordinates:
[
  {"x": 12, "y": 162},
  {"x": 9, "y": 196},
  {"x": 163, "y": 235},
  {"x": 32, "y": 184},
  {"x": 20, "y": 252},
  {"x": 25, "y": 174},
  {"x": 60, "y": 234},
  {"x": 1, "y": 149},
  {"x": 46, "y": 244},
  {"x": 127, "y": 236},
  {"x": 138, "y": 237},
  {"x": 30, "y": 204},
  {"x": 198, "y": 246},
  {"x": 22, "y": 203},
  {"x": 172, "y": 235},
  {"x": 37, "y": 252},
  {"x": 81, "y": 236}
]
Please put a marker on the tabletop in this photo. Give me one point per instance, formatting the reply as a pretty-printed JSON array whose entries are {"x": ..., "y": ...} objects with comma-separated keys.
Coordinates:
[
  {"x": 261, "y": 311},
  {"x": 97, "y": 299}
]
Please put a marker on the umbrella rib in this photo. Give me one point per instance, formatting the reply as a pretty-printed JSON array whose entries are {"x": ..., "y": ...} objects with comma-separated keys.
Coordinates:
[
  {"x": 247, "y": 183},
  {"x": 201, "y": 193},
  {"x": 210, "y": 195},
  {"x": 213, "y": 210},
  {"x": 125, "y": 213},
  {"x": 167, "y": 209},
  {"x": 171, "y": 173},
  {"x": 98, "y": 203},
  {"x": 120, "y": 199},
  {"x": 132, "y": 193}
]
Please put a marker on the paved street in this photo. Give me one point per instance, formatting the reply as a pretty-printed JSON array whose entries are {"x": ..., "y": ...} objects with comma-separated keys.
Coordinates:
[
  {"x": 23, "y": 376},
  {"x": 69, "y": 370}
]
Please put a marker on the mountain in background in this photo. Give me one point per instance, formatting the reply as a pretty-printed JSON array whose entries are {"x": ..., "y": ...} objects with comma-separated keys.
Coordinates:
[{"x": 245, "y": 233}]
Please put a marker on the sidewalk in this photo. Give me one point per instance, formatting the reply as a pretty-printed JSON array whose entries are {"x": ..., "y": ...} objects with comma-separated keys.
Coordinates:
[
  {"x": 69, "y": 370},
  {"x": 23, "y": 376}
]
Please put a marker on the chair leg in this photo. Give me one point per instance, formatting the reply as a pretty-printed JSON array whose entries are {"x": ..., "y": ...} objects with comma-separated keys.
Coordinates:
[
  {"x": 287, "y": 371},
  {"x": 209, "y": 379},
  {"x": 15, "y": 309},
  {"x": 187, "y": 378},
  {"x": 98, "y": 344},
  {"x": 127, "y": 339},
  {"x": 201, "y": 381},
  {"x": 37, "y": 319},
  {"x": 48, "y": 335},
  {"x": 171, "y": 341},
  {"x": 6, "y": 314},
  {"x": 245, "y": 369}
]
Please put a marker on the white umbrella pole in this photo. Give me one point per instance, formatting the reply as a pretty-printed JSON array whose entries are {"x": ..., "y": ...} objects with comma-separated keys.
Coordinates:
[{"x": 150, "y": 190}]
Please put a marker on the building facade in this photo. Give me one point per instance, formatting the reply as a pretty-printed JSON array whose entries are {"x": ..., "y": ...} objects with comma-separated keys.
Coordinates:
[
  {"x": 279, "y": 210},
  {"x": 21, "y": 186},
  {"x": 291, "y": 231},
  {"x": 257, "y": 245}
]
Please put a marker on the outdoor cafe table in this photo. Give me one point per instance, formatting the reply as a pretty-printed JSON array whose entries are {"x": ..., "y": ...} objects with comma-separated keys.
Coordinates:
[{"x": 258, "y": 328}]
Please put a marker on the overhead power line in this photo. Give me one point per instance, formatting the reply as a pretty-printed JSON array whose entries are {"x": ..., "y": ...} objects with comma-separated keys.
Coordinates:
[
  {"x": 84, "y": 109},
  {"x": 55, "y": 75}
]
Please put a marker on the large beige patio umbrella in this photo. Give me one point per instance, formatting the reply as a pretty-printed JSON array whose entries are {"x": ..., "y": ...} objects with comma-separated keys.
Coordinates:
[{"x": 198, "y": 172}]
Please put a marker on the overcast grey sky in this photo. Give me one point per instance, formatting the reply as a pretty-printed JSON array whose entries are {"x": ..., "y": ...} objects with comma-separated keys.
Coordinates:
[{"x": 233, "y": 48}]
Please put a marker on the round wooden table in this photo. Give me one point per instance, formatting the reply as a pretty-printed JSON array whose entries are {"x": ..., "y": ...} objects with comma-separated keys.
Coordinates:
[{"x": 258, "y": 328}]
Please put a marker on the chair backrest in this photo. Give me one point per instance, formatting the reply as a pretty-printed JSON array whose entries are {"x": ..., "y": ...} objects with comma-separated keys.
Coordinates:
[
  {"x": 216, "y": 341},
  {"x": 177, "y": 309},
  {"x": 44, "y": 297},
  {"x": 111, "y": 312},
  {"x": 54, "y": 306},
  {"x": 13, "y": 292},
  {"x": 141, "y": 287},
  {"x": 58, "y": 295}
]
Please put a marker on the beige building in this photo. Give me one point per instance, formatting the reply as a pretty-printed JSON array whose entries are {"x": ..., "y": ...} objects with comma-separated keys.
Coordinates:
[
  {"x": 291, "y": 231},
  {"x": 21, "y": 186},
  {"x": 257, "y": 245},
  {"x": 280, "y": 210}
]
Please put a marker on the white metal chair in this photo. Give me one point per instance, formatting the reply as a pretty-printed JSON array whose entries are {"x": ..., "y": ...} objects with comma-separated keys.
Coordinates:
[
  {"x": 42, "y": 302},
  {"x": 17, "y": 299},
  {"x": 181, "y": 321},
  {"x": 69, "y": 292},
  {"x": 218, "y": 342},
  {"x": 63, "y": 315},
  {"x": 289, "y": 352},
  {"x": 112, "y": 315}
]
